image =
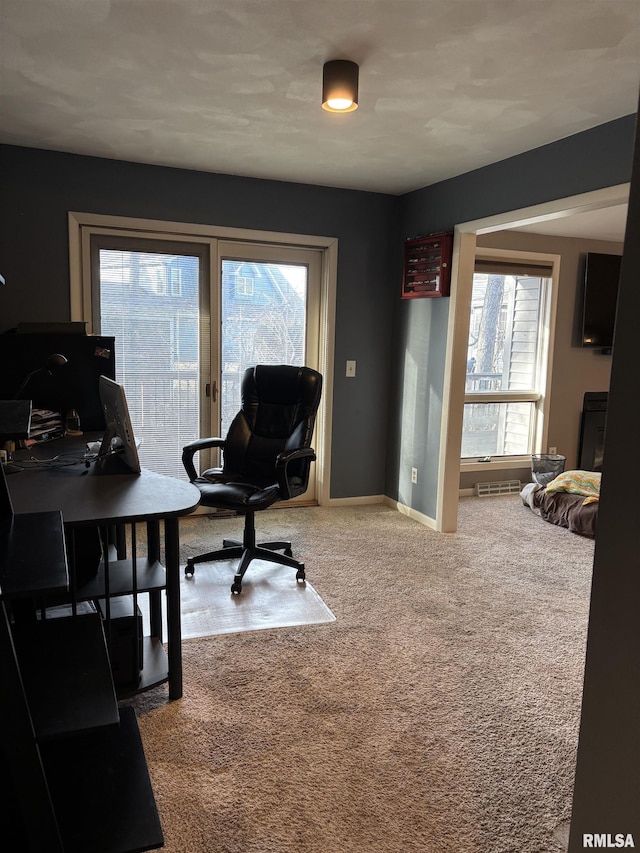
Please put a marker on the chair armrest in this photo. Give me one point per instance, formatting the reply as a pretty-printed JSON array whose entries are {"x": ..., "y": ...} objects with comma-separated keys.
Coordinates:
[
  {"x": 190, "y": 450},
  {"x": 282, "y": 464}
]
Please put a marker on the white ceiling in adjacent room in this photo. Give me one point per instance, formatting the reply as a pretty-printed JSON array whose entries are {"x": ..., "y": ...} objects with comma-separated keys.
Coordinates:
[{"x": 607, "y": 223}]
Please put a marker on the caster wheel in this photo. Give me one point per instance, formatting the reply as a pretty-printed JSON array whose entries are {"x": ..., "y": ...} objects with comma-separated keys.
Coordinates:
[
  {"x": 288, "y": 552},
  {"x": 236, "y": 587},
  {"x": 300, "y": 574},
  {"x": 189, "y": 570}
]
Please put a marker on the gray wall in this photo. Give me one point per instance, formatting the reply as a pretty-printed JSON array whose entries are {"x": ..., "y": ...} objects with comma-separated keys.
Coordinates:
[
  {"x": 40, "y": 187},
  {"x": 588, "y": 161}
]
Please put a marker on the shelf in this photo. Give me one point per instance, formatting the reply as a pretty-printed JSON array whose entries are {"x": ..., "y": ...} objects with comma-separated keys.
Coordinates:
[
  {"x": 155, "y": 670},
  {"x": 101, "y": 791},
  {"x": 66, "y": 675},
  {"x": 33, "y": 559},
  {"x": 151, "y": 575}
]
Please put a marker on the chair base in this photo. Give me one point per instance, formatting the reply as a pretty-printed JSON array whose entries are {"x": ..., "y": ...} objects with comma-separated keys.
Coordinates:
[{"x": 233, "y": 549}]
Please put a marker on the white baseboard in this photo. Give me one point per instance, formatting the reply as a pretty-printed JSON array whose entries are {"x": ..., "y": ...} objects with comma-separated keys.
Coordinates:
[
  {"x": 412, "y": 513},
  {"x": 383, "y": 499},
  {"x": 359, "y": 501}
]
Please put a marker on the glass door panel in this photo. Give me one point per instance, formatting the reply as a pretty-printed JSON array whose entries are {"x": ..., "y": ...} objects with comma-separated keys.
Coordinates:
[
  {"x": 263, "y": 312},
  {"x": 269, "y": 314},
  {"x": 151, "y": 300}
]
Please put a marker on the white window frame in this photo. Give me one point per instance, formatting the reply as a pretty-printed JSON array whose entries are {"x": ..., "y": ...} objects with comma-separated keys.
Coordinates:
[
  {"x": 538, "y": 395},
  {"x": 82, "y": 225}
]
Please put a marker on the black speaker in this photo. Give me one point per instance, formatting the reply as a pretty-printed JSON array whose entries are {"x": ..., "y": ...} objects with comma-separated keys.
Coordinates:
[{"x": 124, "y": 636}]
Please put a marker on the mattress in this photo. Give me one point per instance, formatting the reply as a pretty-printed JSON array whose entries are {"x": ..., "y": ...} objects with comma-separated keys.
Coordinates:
[{"x": 563, "y": 509}]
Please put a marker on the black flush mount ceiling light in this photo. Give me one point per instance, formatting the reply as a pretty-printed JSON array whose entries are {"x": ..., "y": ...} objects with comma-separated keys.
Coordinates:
[{"x": 340, "y": 86}]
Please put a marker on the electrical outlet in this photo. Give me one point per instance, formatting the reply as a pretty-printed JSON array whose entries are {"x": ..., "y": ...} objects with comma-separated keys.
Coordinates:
[
  {"x": 414, "y": 475},
  {"x": 553, "y": 451}
]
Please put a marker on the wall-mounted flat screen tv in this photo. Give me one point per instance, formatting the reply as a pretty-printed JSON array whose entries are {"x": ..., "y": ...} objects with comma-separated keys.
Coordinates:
[{"x": 601, "y": 276}]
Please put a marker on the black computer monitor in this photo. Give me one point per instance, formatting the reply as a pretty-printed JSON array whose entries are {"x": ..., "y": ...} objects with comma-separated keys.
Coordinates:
[{"x": 119, "y": 451}]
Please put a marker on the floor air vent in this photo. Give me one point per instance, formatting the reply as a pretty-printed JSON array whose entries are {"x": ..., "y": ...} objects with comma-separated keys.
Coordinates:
[{"x": 505, "y": 487}]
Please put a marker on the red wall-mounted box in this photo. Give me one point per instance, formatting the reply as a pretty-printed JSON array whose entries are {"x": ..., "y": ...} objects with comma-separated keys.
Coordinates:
[{"x": 427, "y": 266}]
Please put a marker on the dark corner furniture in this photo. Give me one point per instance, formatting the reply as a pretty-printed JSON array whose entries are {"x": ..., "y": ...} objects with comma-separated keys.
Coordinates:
[
  {"x": 267, "y": 457},
  {"x": 111, "y": 506},
  {"x": 75, "y": 777}
]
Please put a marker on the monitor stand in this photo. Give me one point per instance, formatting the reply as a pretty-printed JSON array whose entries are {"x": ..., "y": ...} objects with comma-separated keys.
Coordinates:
[
  {"x": 112, "y": 461},
  {"x": 112, "y": 464}
]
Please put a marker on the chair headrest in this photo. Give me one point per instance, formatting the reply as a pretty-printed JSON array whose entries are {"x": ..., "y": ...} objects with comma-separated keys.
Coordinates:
[
  {"x": 283, "y": 383},
  {"x": 276, "y": 398}
]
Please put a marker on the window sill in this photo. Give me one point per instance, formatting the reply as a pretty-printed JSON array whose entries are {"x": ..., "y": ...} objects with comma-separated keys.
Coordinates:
[{"x": 498, "y": 463}]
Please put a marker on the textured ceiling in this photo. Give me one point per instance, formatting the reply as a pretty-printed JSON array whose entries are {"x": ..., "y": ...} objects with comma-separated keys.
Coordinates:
[{"x": 446, "y": 86}]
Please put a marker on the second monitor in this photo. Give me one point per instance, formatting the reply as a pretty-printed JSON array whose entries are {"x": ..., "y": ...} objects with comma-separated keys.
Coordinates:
[{"x": 119, "y": 450}]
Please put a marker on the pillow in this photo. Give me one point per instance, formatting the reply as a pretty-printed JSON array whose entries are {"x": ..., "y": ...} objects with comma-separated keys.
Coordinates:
[{"x": 577, "y": 482}]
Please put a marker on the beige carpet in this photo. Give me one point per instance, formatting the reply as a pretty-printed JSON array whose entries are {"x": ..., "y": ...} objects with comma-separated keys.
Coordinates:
[{"x": 439, "y": 713}]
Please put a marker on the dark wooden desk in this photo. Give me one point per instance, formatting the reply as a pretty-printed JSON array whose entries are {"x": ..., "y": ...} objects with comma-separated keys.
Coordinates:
[{"x": 90, "y": 498}]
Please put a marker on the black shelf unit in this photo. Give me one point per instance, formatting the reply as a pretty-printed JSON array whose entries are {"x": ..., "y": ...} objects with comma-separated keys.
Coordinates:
[
  {"x": 66, "y": 675},
  {"x": 124, "y": 576},
  {"x": 133, "y": 577},
  {"x": 114, "y": 811},
  {"x": 75, "y": 779}
]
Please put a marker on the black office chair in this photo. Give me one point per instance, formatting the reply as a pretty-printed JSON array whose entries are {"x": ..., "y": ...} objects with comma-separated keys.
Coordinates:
[{"x": 266, "y": 458}]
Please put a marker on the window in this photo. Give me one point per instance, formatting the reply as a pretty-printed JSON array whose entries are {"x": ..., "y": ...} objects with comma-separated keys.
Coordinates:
[
  {"x": 507, "y": 355},
  {"x": 150, "y": 296},
  {"x": 244, "y": 285},
  {"x": 264, "y": 320}
]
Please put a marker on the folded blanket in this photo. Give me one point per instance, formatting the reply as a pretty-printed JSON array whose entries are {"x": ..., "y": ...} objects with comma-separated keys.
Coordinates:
[{"x": 585, "y": 483}]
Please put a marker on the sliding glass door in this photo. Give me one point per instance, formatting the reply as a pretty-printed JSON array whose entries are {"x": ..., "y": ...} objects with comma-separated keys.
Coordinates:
[
  {"x": 188, "y": 319},
  {"x": 153, "y": 297}
]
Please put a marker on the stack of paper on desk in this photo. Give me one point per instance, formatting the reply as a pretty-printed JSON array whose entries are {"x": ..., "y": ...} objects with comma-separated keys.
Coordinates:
[{"x": 45, "y": 425}]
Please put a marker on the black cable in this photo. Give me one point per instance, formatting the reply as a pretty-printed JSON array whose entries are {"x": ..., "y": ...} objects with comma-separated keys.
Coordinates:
[{"x": 64, "y": 460}]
